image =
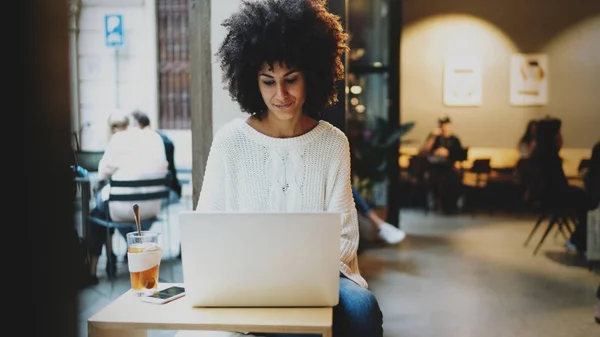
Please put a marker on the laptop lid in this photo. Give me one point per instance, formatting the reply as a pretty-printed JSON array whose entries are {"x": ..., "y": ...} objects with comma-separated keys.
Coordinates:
[{"x": 260, "y": 259}]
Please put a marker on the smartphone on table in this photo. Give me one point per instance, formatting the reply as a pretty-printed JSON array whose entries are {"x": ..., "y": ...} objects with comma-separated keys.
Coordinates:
[{"x": 165, "y": 295}]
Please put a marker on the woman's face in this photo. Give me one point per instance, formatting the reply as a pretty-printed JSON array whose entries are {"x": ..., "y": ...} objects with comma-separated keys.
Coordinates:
[{"x": 283, "y": 90}]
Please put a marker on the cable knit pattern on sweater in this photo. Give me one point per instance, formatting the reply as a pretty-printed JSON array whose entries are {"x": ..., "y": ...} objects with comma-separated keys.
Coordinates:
[{"x": 248, "y": 171}]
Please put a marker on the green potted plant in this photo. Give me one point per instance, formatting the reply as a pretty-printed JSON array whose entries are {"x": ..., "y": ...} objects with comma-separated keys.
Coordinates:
[{"x": 371, "y": 142}]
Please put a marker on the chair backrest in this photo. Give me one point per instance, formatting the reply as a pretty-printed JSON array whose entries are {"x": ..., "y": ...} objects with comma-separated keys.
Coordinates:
[
  {"x": 481, "y": 166},
  {"x": 417, "y": 166},
  {"x": 161, "y": 184},
  {"x": 148, "y": 193},
  {"x": 463, "y": 154}
]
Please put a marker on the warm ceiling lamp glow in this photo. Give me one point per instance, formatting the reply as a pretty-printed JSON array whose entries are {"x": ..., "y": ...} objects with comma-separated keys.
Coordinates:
[
  {"x": 354, "y": 101},
  {"x": 456, "y": 35},
  {"x": 360, "y": 108}
]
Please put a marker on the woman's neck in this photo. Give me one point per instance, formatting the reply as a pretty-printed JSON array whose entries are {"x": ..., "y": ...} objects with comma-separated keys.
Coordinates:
[{"x": 278, "y": 128}]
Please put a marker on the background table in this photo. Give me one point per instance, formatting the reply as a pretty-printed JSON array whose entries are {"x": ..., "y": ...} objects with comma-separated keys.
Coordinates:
[{"x": 129, "y": 316}]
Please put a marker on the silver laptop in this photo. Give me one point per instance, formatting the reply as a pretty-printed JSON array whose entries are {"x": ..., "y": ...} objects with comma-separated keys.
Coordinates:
[{"x": 260, "y": 259}]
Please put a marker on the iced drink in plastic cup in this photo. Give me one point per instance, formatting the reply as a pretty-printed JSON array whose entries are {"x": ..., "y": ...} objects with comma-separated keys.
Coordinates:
[{"x": 143, "y": 255}]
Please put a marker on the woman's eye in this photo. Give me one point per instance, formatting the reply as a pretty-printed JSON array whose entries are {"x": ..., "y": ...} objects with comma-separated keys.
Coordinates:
[
  {"x": 291, "y": 80},
  {"x": 268, "y": 82}
]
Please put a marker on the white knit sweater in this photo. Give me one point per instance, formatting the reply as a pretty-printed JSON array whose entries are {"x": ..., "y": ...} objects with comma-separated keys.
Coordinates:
[{"x": 248, "y": 171}]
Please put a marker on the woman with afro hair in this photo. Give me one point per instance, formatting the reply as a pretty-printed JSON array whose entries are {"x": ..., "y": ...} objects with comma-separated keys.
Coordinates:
[{"x": 281, "y": 60}]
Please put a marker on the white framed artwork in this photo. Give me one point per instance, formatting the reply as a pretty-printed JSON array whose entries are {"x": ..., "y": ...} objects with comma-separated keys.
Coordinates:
[
  {"x": 529, "y": 79},
  {"x": 462, "y": 81}
]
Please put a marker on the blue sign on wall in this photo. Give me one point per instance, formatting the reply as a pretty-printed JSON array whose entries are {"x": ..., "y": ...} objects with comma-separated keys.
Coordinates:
[{"x": 113, "y": 30}]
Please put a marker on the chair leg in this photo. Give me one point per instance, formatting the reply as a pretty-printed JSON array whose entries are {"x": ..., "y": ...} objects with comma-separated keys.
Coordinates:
[
  {"x": 570, "y": 223},
  {"x": 109, "y": 250},
  {"x": 561, "y": 224},
  {"x": 109, "y": 256},
  {"x": 537, "y": 224},
  {"x": 550, "y": 225}
]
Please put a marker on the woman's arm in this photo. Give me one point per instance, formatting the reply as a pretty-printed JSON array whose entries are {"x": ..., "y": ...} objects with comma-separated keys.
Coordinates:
[{"x": 341, "y": 201}]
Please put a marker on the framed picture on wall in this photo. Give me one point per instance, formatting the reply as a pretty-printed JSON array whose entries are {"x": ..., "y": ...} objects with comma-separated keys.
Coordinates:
[
  {"x": 529, "y": 79},
  {"x": 462, "y": 81}
]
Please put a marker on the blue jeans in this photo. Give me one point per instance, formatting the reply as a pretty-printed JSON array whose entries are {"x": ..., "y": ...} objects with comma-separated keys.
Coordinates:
[
  {"x": 356, "y": 315},
  {"x": 362, "y": 207}
]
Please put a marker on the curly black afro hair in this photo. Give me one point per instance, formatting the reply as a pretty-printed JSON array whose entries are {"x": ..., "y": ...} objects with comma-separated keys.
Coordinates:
[{"x": 300, "y": 34}]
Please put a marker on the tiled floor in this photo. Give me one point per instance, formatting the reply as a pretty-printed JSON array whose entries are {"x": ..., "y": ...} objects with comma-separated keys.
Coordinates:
[{"x": 454, "y": 276}]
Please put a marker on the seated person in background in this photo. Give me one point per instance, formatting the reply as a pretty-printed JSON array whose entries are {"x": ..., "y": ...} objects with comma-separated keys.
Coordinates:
[
  {"x": 527, "y": 141},
  {"x": 144, "y": 123},
  {"x": 549, "y": 184},
  {"x": 443, "y": 150},
  {"x": 592, "y": 177},
  {"x": 131, "y": 154},
  {"x": 386, "y": 231},
  {"x": 597, "y": 314},
  {"x": 591, "y": 181},
  {"x": 592, "y": 187},
  {"x": 525, "y": 147}
]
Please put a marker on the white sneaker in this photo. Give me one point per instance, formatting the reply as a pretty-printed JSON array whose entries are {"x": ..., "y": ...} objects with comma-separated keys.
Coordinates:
[
  {"x": 391, "y": 234},
  {"x": 570, "y": 246}
]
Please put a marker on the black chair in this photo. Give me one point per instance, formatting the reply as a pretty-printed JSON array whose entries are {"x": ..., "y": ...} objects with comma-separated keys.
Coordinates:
[
  {"x": 417, "y": 167},
  {"x": 158, "y": 190},
  {"x": 482, "y": 169},
  {"x": 555, "y": 216},
  {"x": 548, "y": 202}
]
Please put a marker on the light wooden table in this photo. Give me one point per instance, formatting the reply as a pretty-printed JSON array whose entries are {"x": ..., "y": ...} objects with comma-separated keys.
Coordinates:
[{"x": 129, "y": 316}]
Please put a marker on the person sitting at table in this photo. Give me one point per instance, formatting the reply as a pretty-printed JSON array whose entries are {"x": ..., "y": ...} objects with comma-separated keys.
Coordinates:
[
  {"x": 131, "y": 154},
  {"x": 591, "y": 187},
  {"x": 527, "y": 141},
  {"x": 549, "y": 184},
  {"x": 443, "y": 150},
  {"x": 281, "y": 62}
]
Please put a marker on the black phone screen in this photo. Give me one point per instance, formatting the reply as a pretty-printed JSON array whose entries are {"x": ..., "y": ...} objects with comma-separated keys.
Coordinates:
[{"x": 169, "y": 292}]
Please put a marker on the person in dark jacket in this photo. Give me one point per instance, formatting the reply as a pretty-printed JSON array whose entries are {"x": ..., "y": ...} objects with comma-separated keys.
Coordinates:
[
  {"x": 144, "y": 122},
  {"x": 443, "y": 150},
  {"x": 591, "y": 179},
  {"x": 592, "y": 187}
]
